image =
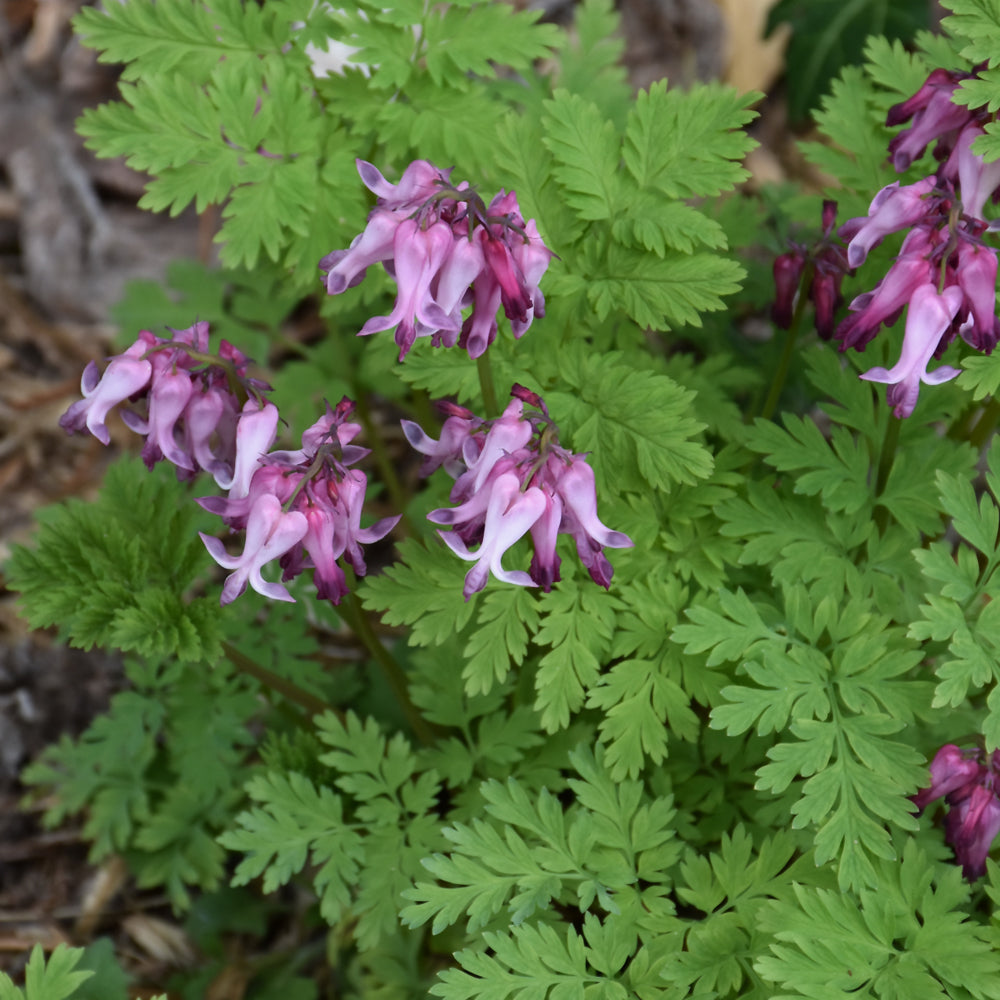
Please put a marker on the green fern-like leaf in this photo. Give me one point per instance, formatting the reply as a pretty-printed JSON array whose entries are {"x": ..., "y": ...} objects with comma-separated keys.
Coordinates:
[
  {"x": 586, "y": 150},
  {"x": 688, "y": 143},
  {"x": 55, "y": 979},
  {"x": 113, "y": 572},
  {"x": 911, "y": 935}
]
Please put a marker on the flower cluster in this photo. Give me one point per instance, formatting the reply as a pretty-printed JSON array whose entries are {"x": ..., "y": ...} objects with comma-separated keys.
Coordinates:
[
  {"x": 944, "y": 272},
  {"x": 827, "y": 264},
  {"x": 197, "y": 410},
  {"x": 512, "y": 477},
  {"x": 968, "y": 782},
  {"x": 303, "y": 508},
  {"x": 447, "y": 250}
]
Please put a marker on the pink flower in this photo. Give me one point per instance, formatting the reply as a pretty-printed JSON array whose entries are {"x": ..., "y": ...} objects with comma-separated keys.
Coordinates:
[
  {"x": 512, "y": 477},
  {"x": 420, "y": 182},
  {"x": 937, "y": 117},
  {"x": 883, "y": 305},
  {"x": 270, "y": 534},
  {"x": 577, "y": 490},
  {"x": 168, "y": 398},
  {"x": 418, "y": 255},
  {"x": 977, "y": 180},
  {"x": 447, "y": 251},
  {"x": 977, "y": 278},
  {"x": 951, "y": 770},
  {"x": 929, "y": 316},
  {"x": 509, "y": 515},
  {"x": 313, "y": 483},
  {"x": 892, "y": 209},
  {"x": 971, "y": 827},
  {"x": 940, "y": 81},
  {"x": 126, "y": 375},
  {"x": 255, "y": 433},
  {"x": 967, "y": 779},
  {"x": 346, "y": 268},
  {"x": 182, "y": 399},
  {"x": 449, "y": 450}
]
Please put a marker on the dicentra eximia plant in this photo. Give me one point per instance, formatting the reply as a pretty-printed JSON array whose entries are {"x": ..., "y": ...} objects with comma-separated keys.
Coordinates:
[{"x": 760, "y": 758}]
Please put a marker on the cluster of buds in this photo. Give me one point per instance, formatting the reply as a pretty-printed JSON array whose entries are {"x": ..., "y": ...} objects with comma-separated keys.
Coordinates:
[
  {"x": 303, "y": 508},
  {"x": 195, "y": 409},
  {"x": 447, "y": 250},
  {"x": 826, "y": 264},
  {"x": 512, "y": 477},
  {"x": 202, "y": 412},
  {"x": 944, "y": 272},
  {"x": 968, "y": 782}
]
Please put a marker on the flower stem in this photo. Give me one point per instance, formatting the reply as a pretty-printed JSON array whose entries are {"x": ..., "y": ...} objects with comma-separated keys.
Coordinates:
[
  {"x": 885, "y": 460},
  {"x": 387, "y": 471},
  {"x": 791, "y": 334},
  {"x": 486, "y": 386},
  {"x": 355, "y": 616},
  {"x": 281, "y": 685},
  {"x": 963, "y": 424},
  {"x": 986, "y": 424}
]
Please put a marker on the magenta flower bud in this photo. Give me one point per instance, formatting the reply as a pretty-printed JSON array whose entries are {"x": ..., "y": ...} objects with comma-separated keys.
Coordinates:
[
  {"x": 929, "y": 316},
  {"x": 526, "y": 395},
  {"x": 787, "y": 268},
  {"x": 971, "y": 827},
  {"x": 940, "y": 80},
  {"x": 829, "y": 215},
  {"x": 825, "y": 295},
  {"x": 513, "y": 293},
  {"x": 935, "y": 119},
  {"x": 951, "y": 769}
]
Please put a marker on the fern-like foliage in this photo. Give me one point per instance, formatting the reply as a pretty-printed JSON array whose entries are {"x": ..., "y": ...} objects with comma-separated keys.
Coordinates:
[
  {"x": 961, "y": 597},
  {"x": 370, "y": 833},
  {"x": 103, "y": 578},
  {"x": 527, "y": 854},
  {"x": 156, "y": 775},
  {"x": 908, "y": 938},
  {"x": 833, "y": 678}
]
